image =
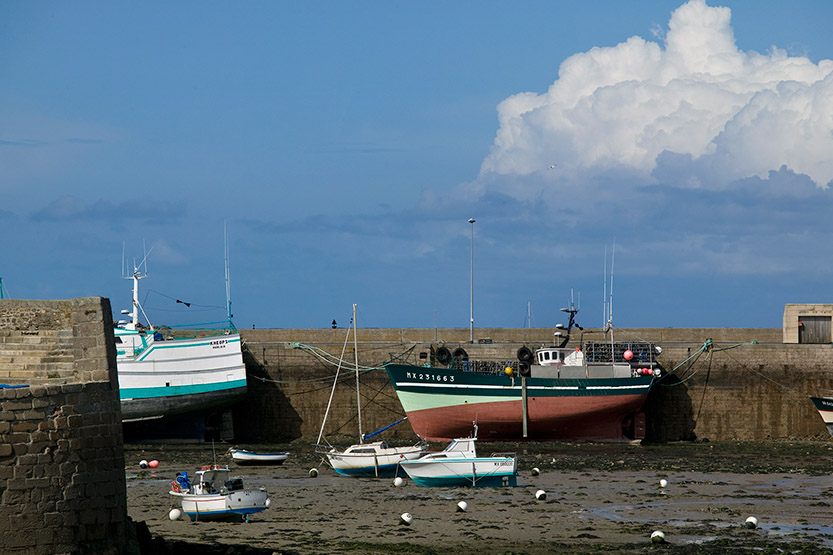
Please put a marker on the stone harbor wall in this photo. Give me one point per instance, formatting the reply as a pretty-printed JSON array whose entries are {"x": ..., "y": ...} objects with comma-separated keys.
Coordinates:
[
  {"x": 62, "y": 481},
  {"x": 748, "y": 386}
]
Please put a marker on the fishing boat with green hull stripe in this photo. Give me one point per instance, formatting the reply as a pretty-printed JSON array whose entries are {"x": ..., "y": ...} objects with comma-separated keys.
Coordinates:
[{"x": 554, "y": 393}]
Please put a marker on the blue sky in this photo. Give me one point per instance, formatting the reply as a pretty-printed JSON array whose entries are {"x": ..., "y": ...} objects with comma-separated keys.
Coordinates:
[{"x": 346, "y": 145}]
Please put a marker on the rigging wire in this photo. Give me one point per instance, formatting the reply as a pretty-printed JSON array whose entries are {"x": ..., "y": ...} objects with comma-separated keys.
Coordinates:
[
  {"x": 705, "y": 386},
  {"x": 188, "y": 304}
]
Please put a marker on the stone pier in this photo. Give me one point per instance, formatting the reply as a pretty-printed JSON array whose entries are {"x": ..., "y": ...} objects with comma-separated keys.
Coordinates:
[{"x": 62, "y": 481}]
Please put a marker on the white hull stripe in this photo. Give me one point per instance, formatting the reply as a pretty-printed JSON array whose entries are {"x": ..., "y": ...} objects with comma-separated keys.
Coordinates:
[{"x": 536, "y": 387}]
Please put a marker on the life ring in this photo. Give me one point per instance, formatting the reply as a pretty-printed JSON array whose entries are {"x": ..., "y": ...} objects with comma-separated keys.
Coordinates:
[
  {"x": 443, "y": 355},
  {"x": 460, "y": 353},
  {"x": 175, "y": 487},
  {"x": 525, "y": 354}
]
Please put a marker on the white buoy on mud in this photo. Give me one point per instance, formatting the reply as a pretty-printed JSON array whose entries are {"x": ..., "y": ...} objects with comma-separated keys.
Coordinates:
[
  {"x": 462, "y": 506},
  {"x": 536, "y": 471},
  {"x": 663, "y": 483},
  {"x": 406, "y": 518},
  {"x": 658, "y": 536},
  {"x": 143, "y": 463},
  {"x": 751, "y": 522},
  {"x": 175, "y": 514},
  {"x": 313, "y": 472},
  {"x": 540, "y": 495},
  {"x": 398, "y": 481}
]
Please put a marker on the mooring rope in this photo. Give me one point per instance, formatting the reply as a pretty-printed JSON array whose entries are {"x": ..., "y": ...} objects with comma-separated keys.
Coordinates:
[{"x": 709, "y": 347}]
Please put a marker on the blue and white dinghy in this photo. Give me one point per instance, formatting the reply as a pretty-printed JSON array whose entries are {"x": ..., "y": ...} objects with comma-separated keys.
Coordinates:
[{"x": 244, "y": 456}]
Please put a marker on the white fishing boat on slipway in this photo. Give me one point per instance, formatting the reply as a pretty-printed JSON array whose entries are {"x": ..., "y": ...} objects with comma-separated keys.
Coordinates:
[
  {"x": 163, "y": 376},
  {"x": 459, "y": 465},
  {"x": 244, "y": 456},
  {"x": 825, "y": 407},
  {"x": 365, "y": 459},
  {"x": 215, "y": 495}
]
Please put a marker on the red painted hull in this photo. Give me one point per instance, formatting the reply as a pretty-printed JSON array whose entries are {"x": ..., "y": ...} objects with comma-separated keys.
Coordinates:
[{"x": 611, "y": 418}]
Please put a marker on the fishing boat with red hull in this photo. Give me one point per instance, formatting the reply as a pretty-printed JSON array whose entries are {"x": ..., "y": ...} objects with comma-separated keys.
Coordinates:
[{"x": 554, "y": 393}]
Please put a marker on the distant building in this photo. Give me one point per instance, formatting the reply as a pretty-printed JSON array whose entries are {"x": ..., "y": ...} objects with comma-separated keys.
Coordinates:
[{"x": 808, "y": 323}]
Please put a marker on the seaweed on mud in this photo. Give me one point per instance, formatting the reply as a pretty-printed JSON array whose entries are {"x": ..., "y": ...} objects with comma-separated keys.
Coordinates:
[{"x": 385, "y": 548}]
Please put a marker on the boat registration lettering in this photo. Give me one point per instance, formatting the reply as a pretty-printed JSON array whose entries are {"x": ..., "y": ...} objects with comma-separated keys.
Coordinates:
[
  {"x": 219, "y": 343},
  {"x": 428, "y": 377}
]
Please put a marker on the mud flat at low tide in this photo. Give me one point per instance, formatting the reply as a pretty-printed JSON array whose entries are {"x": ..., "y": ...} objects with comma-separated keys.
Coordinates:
[{"x": 599, "y": 498}]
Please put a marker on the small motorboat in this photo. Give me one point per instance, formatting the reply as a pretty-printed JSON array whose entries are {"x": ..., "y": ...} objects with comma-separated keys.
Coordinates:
[
  {"x": 459, "y": 465},
  {"x": 215, "y": 495},
  {"x": 243, "y": 456}
]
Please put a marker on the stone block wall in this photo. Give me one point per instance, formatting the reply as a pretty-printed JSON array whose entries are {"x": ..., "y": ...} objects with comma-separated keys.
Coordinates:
[
  {"x": 759, "y": 389},
  {"x": 751, "y": 391},
  {"x": 62, "y": 481}
]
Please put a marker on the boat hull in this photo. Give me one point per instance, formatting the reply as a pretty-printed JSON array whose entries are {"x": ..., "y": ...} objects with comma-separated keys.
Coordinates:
[
  {"x": 163, "y": 378},
  {"x": 384, "y": 465},
  {"x": 480, "y": 472},
  {"x": 222, "y": 506},
  {"x": 825, "y": 407},
  {"x": 442, "y": 403},
  {"x": 241, "y": 456}
]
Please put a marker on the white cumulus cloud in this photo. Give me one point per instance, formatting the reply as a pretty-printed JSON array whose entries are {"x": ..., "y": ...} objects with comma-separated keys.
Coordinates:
[{"x": 732, "y": 114}]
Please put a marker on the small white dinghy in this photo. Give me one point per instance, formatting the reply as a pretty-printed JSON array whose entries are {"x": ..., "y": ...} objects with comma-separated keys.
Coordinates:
[
  {"x": 243, "y": 456},
  {"x": 215, "y": 495}
]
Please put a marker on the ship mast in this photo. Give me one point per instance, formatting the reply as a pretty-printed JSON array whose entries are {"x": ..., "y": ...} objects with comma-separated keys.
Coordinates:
[
  {"x": 137, "y": 275},
  {"x": 228, "y": 279},
  {"x": 358, "y": 397}
]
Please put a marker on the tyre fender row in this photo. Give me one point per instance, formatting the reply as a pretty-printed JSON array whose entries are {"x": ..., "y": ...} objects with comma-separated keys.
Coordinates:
[{"x": 445, "y": 355}]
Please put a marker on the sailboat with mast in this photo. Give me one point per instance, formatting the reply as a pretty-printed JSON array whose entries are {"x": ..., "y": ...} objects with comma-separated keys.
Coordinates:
[
  {"x": 374, "y": 459},
  {"x": 164, "y": 375}
]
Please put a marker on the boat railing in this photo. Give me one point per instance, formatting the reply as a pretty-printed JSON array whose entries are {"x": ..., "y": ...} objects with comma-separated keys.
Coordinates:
[
  {"x": 600, "y": 351},
  {"x": 194, "y": 331},
  {"x": 496, "y": 367}
]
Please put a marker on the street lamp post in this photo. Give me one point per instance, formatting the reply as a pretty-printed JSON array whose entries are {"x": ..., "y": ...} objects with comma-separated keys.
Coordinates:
[{"x": 471, "y": 285}]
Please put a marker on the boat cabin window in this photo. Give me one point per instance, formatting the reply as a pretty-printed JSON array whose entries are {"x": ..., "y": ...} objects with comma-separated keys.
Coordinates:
[
  {"x": 234, "y": 484},
  {"x": 547, "y": 356}
]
